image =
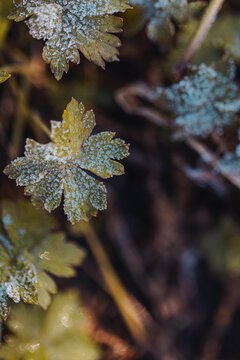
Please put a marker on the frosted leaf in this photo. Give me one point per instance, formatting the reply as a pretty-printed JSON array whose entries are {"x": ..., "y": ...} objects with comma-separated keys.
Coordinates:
[
  {"x": 59, "y": 333},
  {"x": 161, "y": 15},
  {"x": 28, "y": 250},
  {"x": 70, "y": 26},
  {"x": 4, "y": 76},
  {"x": 202, "y": 101},
  {"x": 58, "y": 167}
]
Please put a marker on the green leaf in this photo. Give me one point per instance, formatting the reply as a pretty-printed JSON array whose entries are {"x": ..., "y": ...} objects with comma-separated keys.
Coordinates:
[
  {"x": 48, "y": 170},
  {"x": 5, "y": 7},
  {"x": 222, "y": 248},
  {"x": 223, "y": 40},
  {"x": 4, "y": 76},
  {"x": 72, "y": 26},
  {"x": 56, "y": 334},
  {"x": 28, "y": 252}
]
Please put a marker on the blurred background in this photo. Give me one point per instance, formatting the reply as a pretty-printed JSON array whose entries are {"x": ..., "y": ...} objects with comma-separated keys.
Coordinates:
[{"x": 171, "y": 230}]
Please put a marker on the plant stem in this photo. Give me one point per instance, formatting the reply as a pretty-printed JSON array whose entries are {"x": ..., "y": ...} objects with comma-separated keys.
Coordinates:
[
  {"x": 122, "y": 299},
  {"x": 27, "y": 112},
  {"x": 200, "y": 34}
]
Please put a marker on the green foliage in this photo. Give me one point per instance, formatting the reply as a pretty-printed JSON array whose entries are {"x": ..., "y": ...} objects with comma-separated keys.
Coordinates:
[
  {"x": 56, "y": 334},
  {"x": 4, "y": 76},
  {"x": 4, "y": 22},
  {"x": 28, "y": 252},
  {"x": 48, "y": 170},
  {"x": 204, "y": 100},
  {"x": 223, "y": 40},
  {"x": 222, "y": 248},
  {"x": 72, "y": 26},
  {"x": 161, "y": 15}
]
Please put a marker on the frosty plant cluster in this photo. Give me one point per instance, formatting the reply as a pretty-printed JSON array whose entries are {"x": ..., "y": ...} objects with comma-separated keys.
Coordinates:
[
  {"x": 202, "y": 101},
  {"x": 70, "y": 168}
]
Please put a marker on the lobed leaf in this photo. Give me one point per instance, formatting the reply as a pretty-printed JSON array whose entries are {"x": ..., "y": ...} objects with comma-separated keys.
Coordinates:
[
  {"x": 29, "y": 251},
  {"x": 56, "y": 334},
  {"x": 58, "y": 167},
  {"x": 72, "y": 26}
]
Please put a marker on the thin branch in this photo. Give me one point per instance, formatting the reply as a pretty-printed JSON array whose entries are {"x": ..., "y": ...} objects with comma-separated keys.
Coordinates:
[
  {"x": 129, "y": 104},
  {"x": 200, "y": 34},
  {"x": 128, "y": 306}
]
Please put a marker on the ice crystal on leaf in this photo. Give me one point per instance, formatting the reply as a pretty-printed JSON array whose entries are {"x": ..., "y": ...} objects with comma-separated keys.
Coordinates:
[
  {"x": 161, "y": 15},
  {"x": 55, "y": 334},
  {"x": 28, "y": 251},
  {"x": 48, "y": 170},
  {"x": 70, "y": 26},
  {"x": 204, "y": 100}
]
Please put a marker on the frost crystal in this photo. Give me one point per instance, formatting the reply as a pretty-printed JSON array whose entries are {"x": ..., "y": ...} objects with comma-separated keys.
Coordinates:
[
  {"x": 48, "y": 170},
  {"x": 72, "y": 25},
  {"x": 203, "y": 100},
  {"x": 161, "y": 15},
  {"x": 24, "y": 237}
]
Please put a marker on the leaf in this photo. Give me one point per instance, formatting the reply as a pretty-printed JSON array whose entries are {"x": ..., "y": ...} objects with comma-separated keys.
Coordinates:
[
  {"x": 222, "y": 248},
  {"x": 48, "y": 170},
  {"x": 72, "y": 26},
  {"x": 5, "y": 7},
  {"x": 28, "y": 252},
  {"x": 161, "y": 16},
  {"x": 56, "y": 334},
  {"x": 4, "y": 76},
  {"x": 223, "y": 40},
  {"x": 204, "y": 100}
]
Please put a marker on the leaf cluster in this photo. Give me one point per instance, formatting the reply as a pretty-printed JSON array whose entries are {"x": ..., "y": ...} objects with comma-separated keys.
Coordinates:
[
  {"x": 56, "y": 334},
  {"x": 29, "y": 252}
]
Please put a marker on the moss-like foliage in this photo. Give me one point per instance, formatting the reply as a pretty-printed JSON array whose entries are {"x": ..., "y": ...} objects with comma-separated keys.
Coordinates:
[
  {"x": 28, "y": 252},
  {"x": 204, "y": 100},
  {"x": 48, "y": 170}
]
